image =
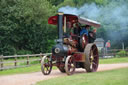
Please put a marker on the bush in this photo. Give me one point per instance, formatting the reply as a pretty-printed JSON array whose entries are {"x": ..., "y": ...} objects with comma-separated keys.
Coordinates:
[
  {"x": 7, "y": 50},
  {"x": 23, "y": 52},
  {"x": 121, "y": 53}
]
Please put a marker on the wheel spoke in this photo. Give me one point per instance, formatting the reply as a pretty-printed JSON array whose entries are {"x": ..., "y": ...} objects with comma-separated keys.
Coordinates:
[
  {"x": 95, "y": 56},
  {"x": 94, "y": 63},
  {"x": 47, "y": 70},
  {"x": 94, "y": 49}
]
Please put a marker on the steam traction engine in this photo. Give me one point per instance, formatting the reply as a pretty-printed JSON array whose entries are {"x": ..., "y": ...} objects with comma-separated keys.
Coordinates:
[{"x": 71, "y": 50}]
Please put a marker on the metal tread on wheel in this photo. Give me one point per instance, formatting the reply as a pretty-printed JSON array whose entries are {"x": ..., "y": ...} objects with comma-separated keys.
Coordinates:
[{"x": 91, "y": 58}]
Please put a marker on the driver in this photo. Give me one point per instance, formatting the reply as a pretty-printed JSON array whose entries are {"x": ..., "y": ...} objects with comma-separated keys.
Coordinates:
[{"x": 85, "y": 30}]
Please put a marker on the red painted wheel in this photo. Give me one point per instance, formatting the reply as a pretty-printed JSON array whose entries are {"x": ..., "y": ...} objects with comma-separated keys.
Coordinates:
[
  {"x": 46, "y": 65},
  {"x": 91, "y": 58},
  {"x": 70, "y": 65}
]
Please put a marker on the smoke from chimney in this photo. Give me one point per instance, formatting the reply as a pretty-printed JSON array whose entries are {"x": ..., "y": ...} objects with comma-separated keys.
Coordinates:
[{"x": 113, "y": 16}]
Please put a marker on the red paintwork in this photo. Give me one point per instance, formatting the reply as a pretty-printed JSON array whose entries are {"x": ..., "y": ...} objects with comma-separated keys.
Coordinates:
[
  {"x": 69, "y": 18},
  {"x": 73, "y": 19},
  {"x": 52, "y": 20},
  {"x": 78, "y": 56},
  {"x": 86, "y": 41}
]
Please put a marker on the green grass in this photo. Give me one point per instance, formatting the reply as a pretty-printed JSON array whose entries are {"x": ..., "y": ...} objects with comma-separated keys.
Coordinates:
[
  {"x": 36, "y": 68},
  {"x": 113, "y": 77},
  {"x": 21, "y": 59},
  {"x": 33, "y": 68},
  {"x": 114, "y": 60}
]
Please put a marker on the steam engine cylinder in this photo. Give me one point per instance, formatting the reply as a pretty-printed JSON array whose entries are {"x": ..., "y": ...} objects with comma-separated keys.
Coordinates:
[{"x": 60, "y": 50}]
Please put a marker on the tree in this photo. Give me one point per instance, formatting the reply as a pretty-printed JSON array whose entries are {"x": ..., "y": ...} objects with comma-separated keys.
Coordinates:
[
  {"x": 66, "y": 2},
  {"x": 55, "y": 2},
  {"x": 24, "y": 26}
]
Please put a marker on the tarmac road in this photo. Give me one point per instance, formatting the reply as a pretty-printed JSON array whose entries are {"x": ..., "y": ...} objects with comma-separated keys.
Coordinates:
[{"x": 32, "y": 78}]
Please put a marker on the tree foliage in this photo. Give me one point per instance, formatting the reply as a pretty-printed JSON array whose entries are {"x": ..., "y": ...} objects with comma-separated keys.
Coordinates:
[
  {"x": 56, "y": 2},
  {"x": 23, "y": 26}
]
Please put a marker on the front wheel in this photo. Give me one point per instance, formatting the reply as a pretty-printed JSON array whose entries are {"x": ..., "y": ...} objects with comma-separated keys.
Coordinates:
[
  {"x": 70, "y": 65},
  {"x": 46, "y": 65}
]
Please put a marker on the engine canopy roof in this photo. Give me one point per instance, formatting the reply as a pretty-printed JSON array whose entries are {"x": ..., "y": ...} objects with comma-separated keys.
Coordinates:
[{"x": 74, "y": 19}]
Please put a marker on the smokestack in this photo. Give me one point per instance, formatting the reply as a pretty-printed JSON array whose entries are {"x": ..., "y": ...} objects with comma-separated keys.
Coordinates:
[{"x": 60, "y": 25}]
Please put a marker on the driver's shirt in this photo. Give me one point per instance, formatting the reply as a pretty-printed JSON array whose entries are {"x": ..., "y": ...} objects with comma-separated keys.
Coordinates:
[{"x": 84, "y": 31}]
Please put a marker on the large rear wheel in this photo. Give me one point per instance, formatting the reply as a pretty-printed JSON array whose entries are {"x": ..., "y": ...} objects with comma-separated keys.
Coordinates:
[
  {"x": 91, "y": 58},
  {"x": 46, "y": 65},
  {"x": 70, "y": 65}
]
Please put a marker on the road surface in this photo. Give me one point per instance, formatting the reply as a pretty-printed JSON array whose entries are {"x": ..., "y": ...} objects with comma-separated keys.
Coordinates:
[{"x": 32, "y": 78}]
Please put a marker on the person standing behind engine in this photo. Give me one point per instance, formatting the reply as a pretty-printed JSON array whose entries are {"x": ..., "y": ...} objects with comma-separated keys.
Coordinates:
[
  {"x": 92, "y": 36},
  {"x": 108, "y": 45}
]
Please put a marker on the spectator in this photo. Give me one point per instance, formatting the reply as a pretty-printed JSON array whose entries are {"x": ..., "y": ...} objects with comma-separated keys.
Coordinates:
[{"x": 107, "y": 46}]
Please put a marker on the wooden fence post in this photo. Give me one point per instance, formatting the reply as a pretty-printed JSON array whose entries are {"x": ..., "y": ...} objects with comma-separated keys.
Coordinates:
[
  {"x": 40, "y": 57},
  {"x": 15, "y": 62},
  {"x": 27, "y": 59},
  {"x": 1, "y": 62}
]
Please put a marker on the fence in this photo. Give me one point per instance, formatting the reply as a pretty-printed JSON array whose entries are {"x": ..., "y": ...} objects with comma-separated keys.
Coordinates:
[
  {"x": 8, "y": 62},
  {"x": 113, "y": 53},
  {"x": 16, "y": 59}
]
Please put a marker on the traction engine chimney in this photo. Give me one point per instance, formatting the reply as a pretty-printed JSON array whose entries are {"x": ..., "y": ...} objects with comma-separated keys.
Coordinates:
[{"x": 60, "y": 26}]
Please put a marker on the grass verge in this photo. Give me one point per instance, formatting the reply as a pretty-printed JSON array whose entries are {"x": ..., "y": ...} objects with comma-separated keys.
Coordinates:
[
  {"x": 33, "y": 68},
  {"x": 114, "y": 60},
  {"x": 113, "y": 77}
]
